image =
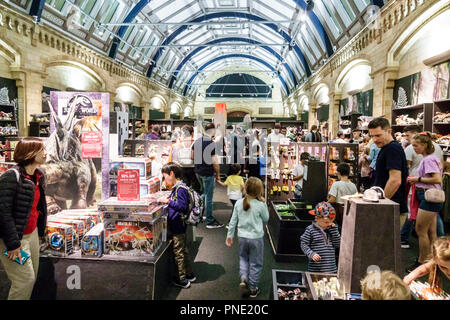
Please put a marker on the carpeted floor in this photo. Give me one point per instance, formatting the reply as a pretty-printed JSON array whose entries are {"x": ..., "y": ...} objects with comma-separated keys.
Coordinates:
[{"x": 217, "y": 266}]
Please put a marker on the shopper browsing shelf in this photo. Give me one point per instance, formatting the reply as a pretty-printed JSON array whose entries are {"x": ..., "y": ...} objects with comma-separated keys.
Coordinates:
[
  {"x": 23, "y": 216},
  {"x": 438, "y": 267},
  {"x": 364, "y": 164},
  {"x": 384, "y": 285},
  {"x": 343, "y": 187},
  {"x": 429, "y": 177},
  {"x": 177, "y": 206},
  {"x": 298, "y": 175},
  {"x": 234, "y": 184},
  {"x": 314, "y": 135},
  {"x": 249, "y": 215},
  {"x": 320, "y": 240},
  {"x": 391, "y": 169}
]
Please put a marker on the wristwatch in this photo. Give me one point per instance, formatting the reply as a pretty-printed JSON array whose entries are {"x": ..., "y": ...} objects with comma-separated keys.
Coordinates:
[{"x": 419, "y": 179}]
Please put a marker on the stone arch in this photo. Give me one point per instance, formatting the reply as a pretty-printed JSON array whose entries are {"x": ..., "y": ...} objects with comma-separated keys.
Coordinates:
[
  {"x": 242, "y": 109},
  {"x": 127, "y": 92},
  {"x": 188, "y": 111},
  {"x": 359, "y": 80},
  {"x": 304, "y": 103},
  {"x": 321, "y": 94},
  {"x": 158, "y": 102},
  {"x": 97, "y": 79},
  {"x": 175, "y": 107},
  {"x": 411, "y": 32}
]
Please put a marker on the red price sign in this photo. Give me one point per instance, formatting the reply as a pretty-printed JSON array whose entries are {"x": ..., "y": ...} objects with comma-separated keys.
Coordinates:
[
  {"x": 91, "y": 144},
  {"x": 128, "y": 185}
]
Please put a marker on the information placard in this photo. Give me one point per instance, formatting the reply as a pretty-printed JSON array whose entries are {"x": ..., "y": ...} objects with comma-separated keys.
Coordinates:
[
  {"x": 91, "y": 144},
  {"x": 128, "y": 185}
]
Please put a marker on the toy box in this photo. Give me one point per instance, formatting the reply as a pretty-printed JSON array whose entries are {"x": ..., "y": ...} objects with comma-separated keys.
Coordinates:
[
  {"x": 77, "y": 225},
  {"x": 60, "y": 238},
  {"x": 93, "y": 241},
  {"x": 95, "y": 215},
  {"x": 132, "y": 238},
  {"x": 146, "y": 186},
  {"x": 145, "y": 216},
  {"x": 87, "y": 220},
  {"x": 112, "y": 204},
  {"x": 144, "y": 165}
]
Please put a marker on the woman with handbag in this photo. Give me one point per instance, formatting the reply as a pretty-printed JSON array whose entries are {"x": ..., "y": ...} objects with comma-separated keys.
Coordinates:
[{"x": 428, "y": 192}]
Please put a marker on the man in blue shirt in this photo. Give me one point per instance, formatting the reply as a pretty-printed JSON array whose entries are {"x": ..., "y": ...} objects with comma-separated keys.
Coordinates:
[
  {"x": 391, "y": 166},
  {"x": 206, "y": 167}
]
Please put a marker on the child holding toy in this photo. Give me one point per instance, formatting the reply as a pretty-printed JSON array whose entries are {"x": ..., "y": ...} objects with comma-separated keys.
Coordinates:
[
  {"x": 320, "y": 240},
  {"x": 249, "y": 215}
]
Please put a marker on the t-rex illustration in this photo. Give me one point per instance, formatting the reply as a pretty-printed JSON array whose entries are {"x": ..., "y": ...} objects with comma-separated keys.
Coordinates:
[{"x": 69, "y": 177}]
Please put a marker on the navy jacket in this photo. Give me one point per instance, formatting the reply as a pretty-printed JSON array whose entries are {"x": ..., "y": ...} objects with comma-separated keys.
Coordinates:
[
  {"x": 323, "y": 242},
  {"x": 177, "y": 206}
]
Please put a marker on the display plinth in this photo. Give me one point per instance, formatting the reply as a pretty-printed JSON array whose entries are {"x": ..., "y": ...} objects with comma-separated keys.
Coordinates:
[
  {"x": 284, "y": 235},
  {"x": 370, "y": 238},
  {"x": 105, "y": 278}
]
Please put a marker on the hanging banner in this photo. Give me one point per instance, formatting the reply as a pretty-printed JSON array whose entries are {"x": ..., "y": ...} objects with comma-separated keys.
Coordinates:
[{"x": 128, "y": 185}]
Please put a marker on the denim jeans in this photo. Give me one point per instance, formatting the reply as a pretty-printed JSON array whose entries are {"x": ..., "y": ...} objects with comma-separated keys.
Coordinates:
[
  {"x": 406, "y": 231},
  {"x": 251, "y": 255},
  {"x": 207, "y": 184},
  {"x": 439, "y": 226}
]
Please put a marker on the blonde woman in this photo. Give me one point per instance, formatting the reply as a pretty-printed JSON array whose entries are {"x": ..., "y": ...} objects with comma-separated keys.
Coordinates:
[
  {"x": 436, "y": 268},
  {"x": 249, "y": 215},
  {"x": 384, "y": 285},
  {"x": 429, "y": 176}
]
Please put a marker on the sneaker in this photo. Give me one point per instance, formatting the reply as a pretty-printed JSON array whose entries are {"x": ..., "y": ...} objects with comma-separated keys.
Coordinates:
[
  {"x": 216, "y": 224},
  {"x": 191, "y": 277},
  {"x": 405, "y": 245},
  {"x": 413, "y": 266},
  {"x": 254, "y": 292},
  {"x": 182, "y": 283},
  {"x": 244, "y": 288}
]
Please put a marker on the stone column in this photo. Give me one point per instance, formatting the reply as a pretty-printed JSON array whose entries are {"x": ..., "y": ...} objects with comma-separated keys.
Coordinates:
[
  {"x": 333, "y": 118},
  {"x": 145, "y": 111},
  {"x": 383, "y": 91},
  {"x": 112, "y": 99},
  {"x": 312, "y": 114}
]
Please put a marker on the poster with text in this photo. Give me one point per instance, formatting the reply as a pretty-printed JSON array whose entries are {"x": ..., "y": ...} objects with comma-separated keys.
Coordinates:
[
  {"x": 77, "y": 150},
  {"x": 128, "y": 185}
]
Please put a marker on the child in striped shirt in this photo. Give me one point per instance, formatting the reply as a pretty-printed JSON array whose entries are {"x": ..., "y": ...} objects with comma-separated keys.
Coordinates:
[{"x": 320, "y": 239}]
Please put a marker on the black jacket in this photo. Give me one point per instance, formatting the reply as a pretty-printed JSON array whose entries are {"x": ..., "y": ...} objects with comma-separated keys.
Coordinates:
[{"x": 16, "y": 201}]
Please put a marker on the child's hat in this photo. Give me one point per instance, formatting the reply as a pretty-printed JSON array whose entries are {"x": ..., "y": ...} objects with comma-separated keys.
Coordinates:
[{"x": 324, "y": 209}]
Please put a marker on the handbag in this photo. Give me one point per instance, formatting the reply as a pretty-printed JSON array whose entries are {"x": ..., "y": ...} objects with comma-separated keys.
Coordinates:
[{"x": 435, "y": 195}]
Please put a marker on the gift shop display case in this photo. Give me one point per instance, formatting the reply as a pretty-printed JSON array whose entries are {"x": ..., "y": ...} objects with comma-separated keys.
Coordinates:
[
  {"x": 349, "y": 122},
  {"x": 290, "y": 285},
  {"x": 325, "y": 286},
  {"x": 441, "y": 125},
  {"x": 134, "y": 126},
  {"x": 421, "y": 115},
  {"x": 8, "y": 121},
  {"x": 39, "y": 126},
  {"x": 347, "y": 153}
]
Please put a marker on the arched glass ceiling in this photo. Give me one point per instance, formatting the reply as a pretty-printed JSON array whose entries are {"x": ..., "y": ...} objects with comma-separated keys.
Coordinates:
[{"x": 316, "y": 34}]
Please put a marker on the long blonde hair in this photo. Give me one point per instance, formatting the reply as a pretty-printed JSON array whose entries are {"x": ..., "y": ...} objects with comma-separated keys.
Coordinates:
[
  {"x": 254, "y": 188},
  {"x": 440, "y": 250}
]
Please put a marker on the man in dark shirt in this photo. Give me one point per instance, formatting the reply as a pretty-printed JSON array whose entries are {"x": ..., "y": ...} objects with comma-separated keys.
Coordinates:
[
  {"x": 392, "y": 168},
  {"x": 207, "y": 170}
]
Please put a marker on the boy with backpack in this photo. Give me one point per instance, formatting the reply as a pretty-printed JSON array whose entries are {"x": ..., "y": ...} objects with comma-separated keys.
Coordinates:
[{"x": 179, "y": 211}]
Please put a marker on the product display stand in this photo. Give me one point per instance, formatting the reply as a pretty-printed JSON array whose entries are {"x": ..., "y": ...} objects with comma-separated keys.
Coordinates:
[
  {"x": 106, "y": 278},
  {"x": 370, "y": 239},
  {"x": 343, "y": 152},
  {"x": 351, "y": 121}
]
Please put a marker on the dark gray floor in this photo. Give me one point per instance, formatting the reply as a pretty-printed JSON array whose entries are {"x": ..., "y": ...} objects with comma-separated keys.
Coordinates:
[{"x": 217, "y": 266}]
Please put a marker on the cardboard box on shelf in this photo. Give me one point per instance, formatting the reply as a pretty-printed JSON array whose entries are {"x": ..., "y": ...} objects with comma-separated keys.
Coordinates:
[
  {"x": 92, "y": 243},
  {"x": 77, "y": 225},
  {"x": 133, "y": 238},
  {"x": 59, "y": 238},
  {"x": 144, "y": 165}
]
